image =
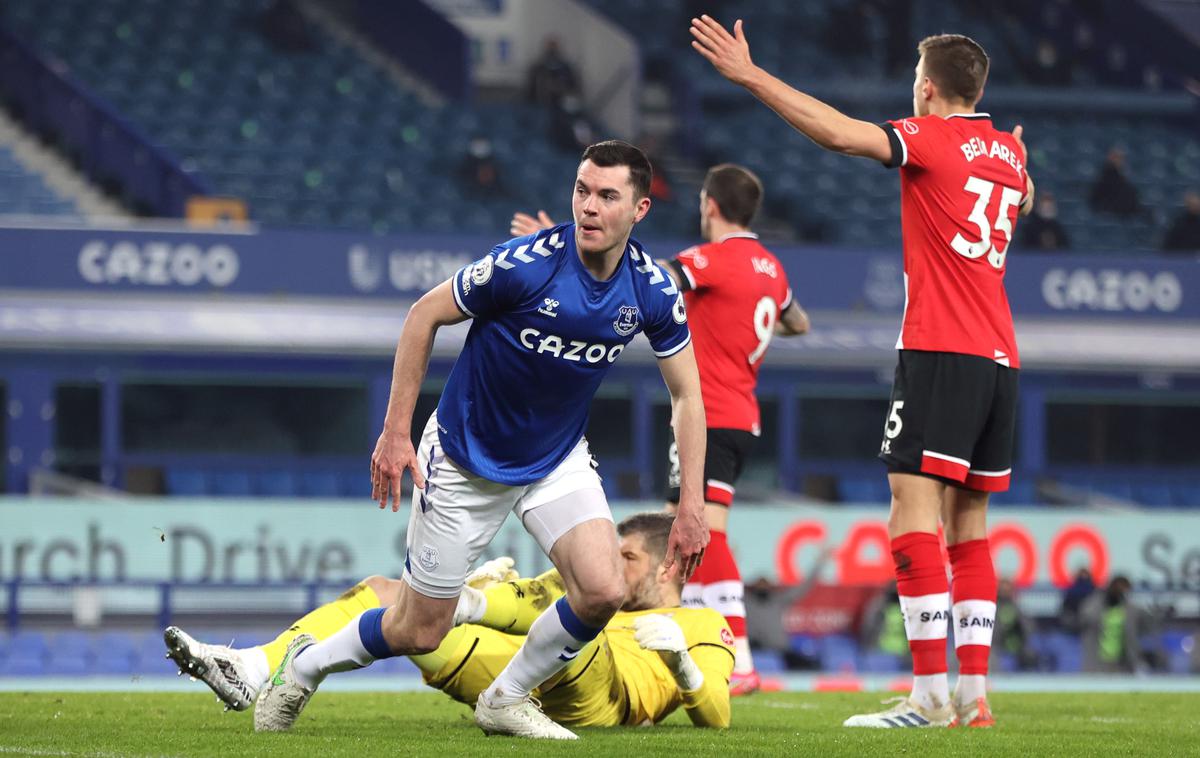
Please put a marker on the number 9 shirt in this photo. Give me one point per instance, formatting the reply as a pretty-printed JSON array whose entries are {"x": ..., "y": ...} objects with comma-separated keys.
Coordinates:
[{"x": 735, "y": 290}]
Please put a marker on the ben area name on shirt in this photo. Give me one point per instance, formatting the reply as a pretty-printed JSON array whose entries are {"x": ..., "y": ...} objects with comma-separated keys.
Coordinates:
[{"x": 977, "y": 147}]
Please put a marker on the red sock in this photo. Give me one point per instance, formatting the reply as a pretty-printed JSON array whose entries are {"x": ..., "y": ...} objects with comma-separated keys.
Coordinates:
[
  {"x": 924, "y": 599},
  {"x": 717, "y": 584},
  {"x": 974, "y": 604}
]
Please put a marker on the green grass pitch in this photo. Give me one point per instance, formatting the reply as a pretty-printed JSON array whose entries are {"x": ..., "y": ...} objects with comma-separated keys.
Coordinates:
[{"x": 420, "y": 724}]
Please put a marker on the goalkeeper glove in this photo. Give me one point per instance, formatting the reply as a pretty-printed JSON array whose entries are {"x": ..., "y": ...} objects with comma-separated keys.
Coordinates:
[
  {"x": 661, "y": 634},
  {"x": 472, "y": 603},
  {"x": 495, "y": 571}
]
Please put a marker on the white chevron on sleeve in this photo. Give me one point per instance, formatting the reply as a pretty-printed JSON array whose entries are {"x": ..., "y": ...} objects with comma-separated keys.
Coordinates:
[
  {"x": 521, "y": 255},
  {"x": 646, "y": 267},
  {"x": 501, "y": 262},
  {"x": 539, "y": 247}
]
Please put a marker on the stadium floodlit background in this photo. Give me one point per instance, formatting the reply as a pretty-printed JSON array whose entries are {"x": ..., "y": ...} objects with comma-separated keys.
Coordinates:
[{"x": 216, "y": 212}]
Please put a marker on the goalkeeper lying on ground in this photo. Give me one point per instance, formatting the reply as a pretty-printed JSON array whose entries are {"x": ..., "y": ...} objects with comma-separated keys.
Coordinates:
[{"x": 652, "y": 657}]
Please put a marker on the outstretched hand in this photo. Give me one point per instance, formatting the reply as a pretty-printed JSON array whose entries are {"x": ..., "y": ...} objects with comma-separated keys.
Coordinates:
[
  {"x": 729, "y": 53},
  {"x": 393, "y": 454},
  {"x": 1017, "y": 133},
  {"x": 523, "y": 224}
]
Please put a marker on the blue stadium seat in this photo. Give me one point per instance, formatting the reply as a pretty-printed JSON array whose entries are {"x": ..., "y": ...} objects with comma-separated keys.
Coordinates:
[
  {"x": 839, "y": 653},
  {"x": 769, "y": 662},
  {"x": 354, "y": 484},
  {"x": 230, "y": 483},
  {"x": 70, "y": 654},
  {"x": 871, "y": 489},
  {"x": 186, "y": 482},
  {"x": 879, "y": 662},
  {"x": 26, "y": 654},
  {"x": 113, "y": 653},
  {"x": 1155, "y": 494},
  {"x": 319, "y": 483},
  {"x": 1186, "y": 494},
  {"x": 150, "y": 654},
  {"x": 806, "y": 646},
  {"x": 1066, "y": 651},
  {"x": 275, "y": 484},
  {"x": 1177, "y": 645}
]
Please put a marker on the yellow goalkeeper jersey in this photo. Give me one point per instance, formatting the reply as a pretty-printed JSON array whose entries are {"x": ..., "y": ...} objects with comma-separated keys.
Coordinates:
[{"x": 612, "y": 681}]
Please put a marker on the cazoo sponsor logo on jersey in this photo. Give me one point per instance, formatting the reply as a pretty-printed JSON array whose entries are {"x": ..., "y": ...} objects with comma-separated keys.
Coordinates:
[
  {"x": 1112, "y": 290},
  {"x": 576, "y": 351},
  {"x": 157, "y": 264}
]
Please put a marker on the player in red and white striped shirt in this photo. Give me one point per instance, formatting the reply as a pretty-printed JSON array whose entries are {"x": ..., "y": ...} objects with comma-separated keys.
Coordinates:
[{"x": 949, "y": 433}]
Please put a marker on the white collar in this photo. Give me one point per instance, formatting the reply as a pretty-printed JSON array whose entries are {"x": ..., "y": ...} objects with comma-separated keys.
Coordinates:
[
  {"x": 969, "y": 115},
  {"x": 739, "y": 235}
]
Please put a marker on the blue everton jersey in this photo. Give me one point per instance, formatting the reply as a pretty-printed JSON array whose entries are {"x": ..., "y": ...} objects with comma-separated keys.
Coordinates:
[{"x": 545, "y": 333}]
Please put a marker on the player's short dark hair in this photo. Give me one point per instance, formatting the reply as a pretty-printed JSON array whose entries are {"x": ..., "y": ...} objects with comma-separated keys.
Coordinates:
[
  {"x": 655, "y": 528},
  {"x": 956, "y": 64},
  {"x": 737, "y": 190},
  {"x": 614, "y": 152}
]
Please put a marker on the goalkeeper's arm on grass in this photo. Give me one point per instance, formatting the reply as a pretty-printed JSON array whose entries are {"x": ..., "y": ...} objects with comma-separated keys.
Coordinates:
[{"x": 702, "y": 673}]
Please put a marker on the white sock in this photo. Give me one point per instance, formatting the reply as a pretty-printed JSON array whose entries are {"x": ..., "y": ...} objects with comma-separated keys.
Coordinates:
[
  {"x": 925, "y": 621},
  {"x": 548, "y": 648},
  {"x": 969, "y": 688},
  {"x": 342, "y": 651},
  {"x": 931, "y": 692},
  {"x": 743, "y": 662},
  {"x": 472, "y": 604},
  {"x": 255, "y": 661}
]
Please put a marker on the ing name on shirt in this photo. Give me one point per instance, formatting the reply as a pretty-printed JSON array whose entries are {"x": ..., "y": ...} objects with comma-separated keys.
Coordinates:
[{"x": 976, "y": 147}]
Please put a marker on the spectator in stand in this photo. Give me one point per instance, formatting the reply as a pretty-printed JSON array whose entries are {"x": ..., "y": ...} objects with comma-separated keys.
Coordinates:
[
  {"x": 660, "y": 188},
  {"x": 570, "y": 128},
  {"x": 479, "y": 173},
  {"x": 1048, "y": 66},
  {"x": 1042, "y": 230},
  {"x": 1112, "y": 192},
  {"x": 882, "y": 626},
  {"x": 1184, "y": 234},
  {"x": 1074, "y": 596},
  {"x": 1113, "y": 627},
  {"x": 1014, "y": 629},
  {"x": 551, "y": 77}
]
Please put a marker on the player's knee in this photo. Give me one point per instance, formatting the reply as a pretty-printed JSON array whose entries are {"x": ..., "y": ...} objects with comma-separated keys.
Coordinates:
[
  {"x": 387, "y": 590},
  {"x": 598, "y": 604}
]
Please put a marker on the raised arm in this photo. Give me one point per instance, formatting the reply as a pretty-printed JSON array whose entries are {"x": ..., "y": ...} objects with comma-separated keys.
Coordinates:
[
  {"x": 689, "y": 535},
  {"x": 394, "y": 450},
  {"x": 823, "y": 124},
  {"x": 1027, "y": 204}
]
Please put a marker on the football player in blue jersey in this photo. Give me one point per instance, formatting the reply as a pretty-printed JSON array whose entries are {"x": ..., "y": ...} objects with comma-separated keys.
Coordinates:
[{"x": 552, "y": 311}]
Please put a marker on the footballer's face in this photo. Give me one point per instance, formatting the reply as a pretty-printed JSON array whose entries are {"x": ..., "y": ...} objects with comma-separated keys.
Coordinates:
[
  {"x": 605, "y": 206},
  {"x": 642, "y": 575}
]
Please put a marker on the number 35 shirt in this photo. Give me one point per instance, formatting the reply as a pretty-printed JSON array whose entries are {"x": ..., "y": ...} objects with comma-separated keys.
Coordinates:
[
  {"x": 962, "y": 183},
  {"x": 735, "y": 290}
]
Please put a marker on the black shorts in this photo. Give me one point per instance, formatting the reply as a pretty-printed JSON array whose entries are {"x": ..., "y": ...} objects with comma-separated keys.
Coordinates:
[
  {"x": 724, "y": 457},
  {"x": 952, "y": 416}
]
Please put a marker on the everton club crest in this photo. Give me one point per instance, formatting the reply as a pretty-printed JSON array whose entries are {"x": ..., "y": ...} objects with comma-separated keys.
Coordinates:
[{"x": 626, "y": 323}]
